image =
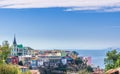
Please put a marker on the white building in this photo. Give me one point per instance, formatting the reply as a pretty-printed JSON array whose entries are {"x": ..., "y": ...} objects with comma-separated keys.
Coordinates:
[{"x": 20, "y": 50}]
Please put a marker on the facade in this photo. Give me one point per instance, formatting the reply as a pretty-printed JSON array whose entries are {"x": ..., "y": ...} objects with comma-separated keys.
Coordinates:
[
  {"x": 18, "y": 50},
  {"x": 87, "y": 59},
  {"x": 63, "y": 53},
  {"x": 29, "y": 51},
  {"x": 36, "y": 52},
  {"x": 21, "y": 51}
]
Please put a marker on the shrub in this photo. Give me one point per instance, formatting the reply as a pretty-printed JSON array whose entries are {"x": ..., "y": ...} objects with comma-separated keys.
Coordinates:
[
  {"x": 9, "y": 69},
  {"x": 84, "y": 72},
  {"x": 28, "y": 72}
]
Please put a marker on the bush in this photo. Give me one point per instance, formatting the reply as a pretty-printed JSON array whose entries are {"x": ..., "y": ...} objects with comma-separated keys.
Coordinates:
[
  {"x": 89, "y": 69},
  {"x": 28, "y": 72},
  {"x": 84, "y": 72},
  {"x": 10, "y": 69},
  {"x": 20, "y": 63}
]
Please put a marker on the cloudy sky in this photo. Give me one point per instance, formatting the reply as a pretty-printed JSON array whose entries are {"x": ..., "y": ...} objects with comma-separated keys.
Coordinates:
[
  {"x": 72, "y": 24},
  {"x": 70, "y": 5}
]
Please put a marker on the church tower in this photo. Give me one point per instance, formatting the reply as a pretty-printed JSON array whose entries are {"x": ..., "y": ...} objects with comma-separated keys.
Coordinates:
[
  {"x": 14, "y": 42},
  {"x": 14, "y": 49}
]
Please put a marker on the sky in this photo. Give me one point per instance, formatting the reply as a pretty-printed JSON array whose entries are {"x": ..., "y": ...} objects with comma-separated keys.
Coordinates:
[{"x": 61, "y": 24}]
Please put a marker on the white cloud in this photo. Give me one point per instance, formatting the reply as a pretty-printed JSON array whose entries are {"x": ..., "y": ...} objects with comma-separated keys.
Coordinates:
[
  {"x": 112, "y": 10},
  {"x": 82, "y": 8},
  {"x": 104, "y": 5}
]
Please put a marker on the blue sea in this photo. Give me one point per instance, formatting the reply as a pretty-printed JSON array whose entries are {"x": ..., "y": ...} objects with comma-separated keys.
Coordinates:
[{"x": 96, "y": 55}]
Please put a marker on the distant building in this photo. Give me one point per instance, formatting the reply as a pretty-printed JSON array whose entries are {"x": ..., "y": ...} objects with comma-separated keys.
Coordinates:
[
  {"x": 64, "y": 61},
  {"x": 36, "y": 52},
  {"x": 63, "y": 53},
  {"x": 87, "y": 59},
  {"x": 29, "y": 51}
]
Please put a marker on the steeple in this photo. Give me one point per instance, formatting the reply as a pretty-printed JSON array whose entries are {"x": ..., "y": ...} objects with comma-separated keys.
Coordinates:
[{"x": 14, "y": 42}]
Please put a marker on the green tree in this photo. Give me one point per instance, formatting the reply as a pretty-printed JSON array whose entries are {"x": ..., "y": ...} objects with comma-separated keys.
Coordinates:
[
  {"x": 89, "y": 69},
  {"x": 78, "y": 61},
  {"x": 20, "y": 63},
  {"x": 112, "y": 60},
  {"x": 11, "y": 69},
  {"x": 4, "y": 52}
]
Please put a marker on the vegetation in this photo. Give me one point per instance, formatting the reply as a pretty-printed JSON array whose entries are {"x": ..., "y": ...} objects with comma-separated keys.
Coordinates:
[
  {"x": 4, "y": 52},
  {"x": 78, "y": 61},
  {"x": 11, "y": 69},
  {"x": 8, "y": 68},
  {"x": 89, "y": 69},
  {"x": 112, "y": 60},
  {"x": 27, "y": 72},
  {"x": 84, "y": 71},
  {"x": 20, "y": 63}
]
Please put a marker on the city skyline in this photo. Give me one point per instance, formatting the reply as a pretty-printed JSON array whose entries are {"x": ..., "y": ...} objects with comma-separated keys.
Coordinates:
[{"x": 62, "y": 26}]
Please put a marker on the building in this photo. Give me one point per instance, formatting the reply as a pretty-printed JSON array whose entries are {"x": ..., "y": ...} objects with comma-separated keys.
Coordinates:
[
  {"x": 87, "y": 60},
  {"x": 20, "y": 50},
  {"x": 29, "y": 51},
  {"x": 36, "y": 52}
]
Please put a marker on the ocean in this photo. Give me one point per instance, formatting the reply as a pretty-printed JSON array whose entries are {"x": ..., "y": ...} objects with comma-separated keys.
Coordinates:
[{"x": 96, "y": 55}]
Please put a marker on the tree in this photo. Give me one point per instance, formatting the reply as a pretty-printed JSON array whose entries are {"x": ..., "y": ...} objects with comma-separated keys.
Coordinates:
[
  {"x": 112, "y": 60},
  {"x": 89, "y": 69},
  {"x": 78, "y": 61},
  {"x": 4, "y": 52},
  {"x": 20, "y": 63}
]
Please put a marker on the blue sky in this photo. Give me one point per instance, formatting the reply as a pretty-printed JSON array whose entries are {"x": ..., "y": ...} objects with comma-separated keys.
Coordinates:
[{"x": 50, "y": 28}]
